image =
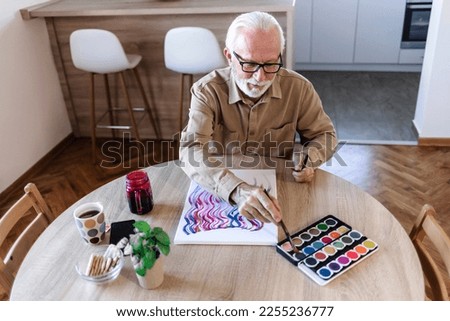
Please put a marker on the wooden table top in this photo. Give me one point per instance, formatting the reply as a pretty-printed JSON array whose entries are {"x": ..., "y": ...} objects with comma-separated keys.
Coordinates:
[
  {"x": 77, "y": 8},
  {"x": 225, "y": 272}
]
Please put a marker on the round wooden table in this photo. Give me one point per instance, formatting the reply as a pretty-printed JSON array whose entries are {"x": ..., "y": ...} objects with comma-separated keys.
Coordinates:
[{"x": 226, "y": 272}]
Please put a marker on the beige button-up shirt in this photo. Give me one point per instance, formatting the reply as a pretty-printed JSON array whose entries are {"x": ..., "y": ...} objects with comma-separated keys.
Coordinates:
[{"x": 223, "y": 121}]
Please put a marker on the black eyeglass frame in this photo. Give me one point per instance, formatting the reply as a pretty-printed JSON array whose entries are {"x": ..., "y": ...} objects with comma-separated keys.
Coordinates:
[{"x": 242, "y": 63}]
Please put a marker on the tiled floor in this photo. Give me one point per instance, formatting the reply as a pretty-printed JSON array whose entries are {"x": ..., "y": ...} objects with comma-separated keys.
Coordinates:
[{"x": 369, "y": 107}]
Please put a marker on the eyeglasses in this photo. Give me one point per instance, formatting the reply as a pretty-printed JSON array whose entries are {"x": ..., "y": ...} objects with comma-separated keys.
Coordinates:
[{"x": 251, "y": 67}]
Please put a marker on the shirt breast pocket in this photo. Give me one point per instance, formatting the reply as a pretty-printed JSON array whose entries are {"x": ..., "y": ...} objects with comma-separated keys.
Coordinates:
[{"x": 279, "y": 142}]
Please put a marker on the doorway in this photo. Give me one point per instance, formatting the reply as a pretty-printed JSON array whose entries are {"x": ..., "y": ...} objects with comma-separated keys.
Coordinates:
[{"x": 369, "y": 107}]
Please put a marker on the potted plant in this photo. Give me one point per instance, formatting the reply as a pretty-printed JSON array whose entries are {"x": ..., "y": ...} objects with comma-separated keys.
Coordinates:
[{"x": 145, "y": 248}]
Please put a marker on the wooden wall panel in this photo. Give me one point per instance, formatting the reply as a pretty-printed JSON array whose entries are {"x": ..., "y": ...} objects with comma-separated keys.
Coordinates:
[{"x": 138, "y": 34}]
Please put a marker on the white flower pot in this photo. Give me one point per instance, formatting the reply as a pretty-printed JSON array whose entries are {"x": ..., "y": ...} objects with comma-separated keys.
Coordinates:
[{"x": 153, "y": 277}]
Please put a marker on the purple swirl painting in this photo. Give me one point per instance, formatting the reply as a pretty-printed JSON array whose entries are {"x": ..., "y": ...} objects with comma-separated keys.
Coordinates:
[
  {"x": 207, "y": 219},
  {"x": 208, "y": 212}
]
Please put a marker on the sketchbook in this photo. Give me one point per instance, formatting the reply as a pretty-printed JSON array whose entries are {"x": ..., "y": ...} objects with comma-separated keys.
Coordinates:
[{"x": 207, "y": 219}]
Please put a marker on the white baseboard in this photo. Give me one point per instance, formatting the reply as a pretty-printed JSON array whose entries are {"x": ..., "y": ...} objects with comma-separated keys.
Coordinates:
[{"x": 359, "y": 67}]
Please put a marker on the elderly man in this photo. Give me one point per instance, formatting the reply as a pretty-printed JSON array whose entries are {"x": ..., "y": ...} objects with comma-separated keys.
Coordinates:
[{"x": 254, "y": 106}]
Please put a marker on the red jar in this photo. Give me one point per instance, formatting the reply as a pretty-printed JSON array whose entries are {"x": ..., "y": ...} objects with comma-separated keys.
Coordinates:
[{"x": 139, "y": 192}]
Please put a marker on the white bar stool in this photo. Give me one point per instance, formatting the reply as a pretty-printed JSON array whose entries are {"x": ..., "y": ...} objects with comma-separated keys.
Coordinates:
[
  {"x": 190, "y": 51},
  {"x": 99, "y": 51}
]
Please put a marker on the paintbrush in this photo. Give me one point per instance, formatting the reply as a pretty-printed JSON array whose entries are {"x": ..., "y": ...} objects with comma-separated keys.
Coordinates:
[
  {"x": 294, "y": 248},
  {"x": 305, "y": 160}
]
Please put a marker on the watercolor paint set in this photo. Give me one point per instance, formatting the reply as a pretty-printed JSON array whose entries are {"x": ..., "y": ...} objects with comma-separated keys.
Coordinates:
[{"x": 326, "y": 249}]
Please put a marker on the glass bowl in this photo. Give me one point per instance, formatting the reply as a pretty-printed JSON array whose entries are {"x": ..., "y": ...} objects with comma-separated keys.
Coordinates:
[{"x": 93, "y": 265}]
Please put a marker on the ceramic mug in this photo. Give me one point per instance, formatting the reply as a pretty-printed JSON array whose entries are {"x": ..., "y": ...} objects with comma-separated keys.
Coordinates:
[{"x": 90, "y": 221}]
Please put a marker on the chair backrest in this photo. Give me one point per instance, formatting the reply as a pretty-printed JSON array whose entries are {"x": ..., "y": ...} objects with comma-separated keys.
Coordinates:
[
  {"x": 427, "y": 227},
  {"x": 192, "y": 50},
  {"x": 31, "y": 206},
  {"x": 97, "y": 51}
]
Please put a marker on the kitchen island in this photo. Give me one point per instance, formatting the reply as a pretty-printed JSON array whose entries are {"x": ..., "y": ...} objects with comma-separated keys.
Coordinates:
[{"x": 141, "y": 26}]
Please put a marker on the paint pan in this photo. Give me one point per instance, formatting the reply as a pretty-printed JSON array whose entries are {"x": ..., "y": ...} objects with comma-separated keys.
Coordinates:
[
  {"x": 308, "y": 250},
  {"x": 310, "y": 261},
  {"x": 330, "y": 250},
  {"x": 343, "y": 260},
  {"x": 297, "y": 241},
  {"x": 324, "y": 273},
  {"x": 305, "y": 237},
  {"x": 322, "y": 227},
  {"x": 352, "y": 255},
  {"x": 320, "y": 256},
  {"x": 314, "y": 231},
  {"x": 346, "y": 240},
  {"x": 287, "y": 246},
  {"x": 342, "y": 229},
  {"x": 299, "y": 256}
]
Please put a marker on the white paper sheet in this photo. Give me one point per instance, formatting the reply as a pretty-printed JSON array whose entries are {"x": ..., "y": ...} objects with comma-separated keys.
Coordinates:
[{"x": 210, "y": 220}]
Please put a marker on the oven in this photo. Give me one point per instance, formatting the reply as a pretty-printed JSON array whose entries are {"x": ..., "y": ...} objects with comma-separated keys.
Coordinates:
[{"x": 415, "y": 26}]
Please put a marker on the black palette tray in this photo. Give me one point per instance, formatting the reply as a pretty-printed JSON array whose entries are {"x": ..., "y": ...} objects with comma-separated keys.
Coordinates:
[{"x": 327, "y": 248}]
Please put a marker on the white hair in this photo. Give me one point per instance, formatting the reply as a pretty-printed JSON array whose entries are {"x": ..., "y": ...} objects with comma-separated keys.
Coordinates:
[{"x": 253, "y": 20}]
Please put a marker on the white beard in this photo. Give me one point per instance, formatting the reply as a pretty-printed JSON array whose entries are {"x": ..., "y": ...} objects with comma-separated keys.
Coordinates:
[{"x": 250, "y": 91}]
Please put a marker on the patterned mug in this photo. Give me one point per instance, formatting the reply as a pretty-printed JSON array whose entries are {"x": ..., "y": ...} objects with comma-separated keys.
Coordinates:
[{"x": 90, "y": 221}]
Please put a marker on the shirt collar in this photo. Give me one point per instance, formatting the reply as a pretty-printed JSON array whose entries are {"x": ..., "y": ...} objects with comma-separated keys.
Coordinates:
[{"x": 236, "y": 95}]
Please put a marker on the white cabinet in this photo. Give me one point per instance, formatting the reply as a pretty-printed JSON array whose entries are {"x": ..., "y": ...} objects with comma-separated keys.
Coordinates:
[
  {"x": 411, "y": 56},
  {"x": 379, "y": 31},
  {"x": 351, "y": 35},
  {"x": 333, "y": 31}
]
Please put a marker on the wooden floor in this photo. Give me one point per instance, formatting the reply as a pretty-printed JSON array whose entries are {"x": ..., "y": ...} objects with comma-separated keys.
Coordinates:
[{"x": 403, "y": 178}]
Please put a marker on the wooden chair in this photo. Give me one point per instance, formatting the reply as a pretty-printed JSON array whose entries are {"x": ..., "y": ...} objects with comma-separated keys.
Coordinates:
[
  {"x": 29, "y": 204},
  {"x": 427, "y": 227}
]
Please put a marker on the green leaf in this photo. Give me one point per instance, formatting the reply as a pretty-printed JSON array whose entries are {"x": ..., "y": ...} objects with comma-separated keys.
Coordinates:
[
  {"x": 142, "y": 226},
  {"x": 161, "y": 236},
  {"x": 141, "y": 271},
  {"x": 165, "y": 249},
  {"x": 149, "y": 259}
]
